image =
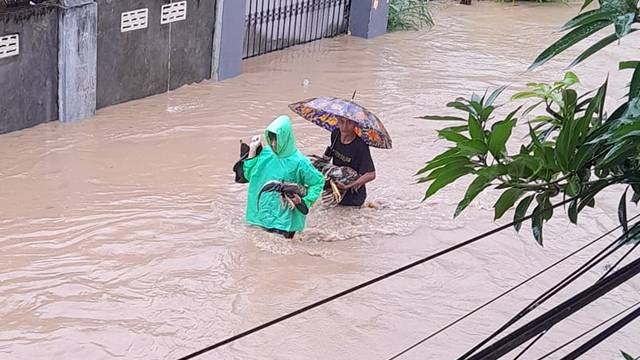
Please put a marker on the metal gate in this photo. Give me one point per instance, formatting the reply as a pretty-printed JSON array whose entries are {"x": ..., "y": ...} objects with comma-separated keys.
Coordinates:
[{"x": 277, "y": 24}]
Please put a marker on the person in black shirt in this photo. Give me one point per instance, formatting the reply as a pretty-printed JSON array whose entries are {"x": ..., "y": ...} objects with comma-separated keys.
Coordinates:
[{"x": 347, "y": 149}]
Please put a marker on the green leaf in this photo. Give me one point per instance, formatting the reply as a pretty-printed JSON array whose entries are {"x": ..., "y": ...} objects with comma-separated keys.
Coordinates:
[
  {"x": 494, "y": 95},
  {"x": 588, "y": 17},
  {"x": 453, "y": 136},
  {"x": 570, "y": 79},
  {"x": 566, "y": 141},
  {"x": 584, "y": 174},
  {"x": 449, "y": 153},
  {"x": 506, "y": 201},
  {"x": 618, "y": 6},
  {"x": 547, "y": 208},
  {"x": 586, "y": 3},
  {"x": 537, "y": 224},
  {"x": 477, "y": 108},
  {"x": 632, "y": 4},
  {"x": 521, "y": 211},
  {"x": 622, "y": 211},
  {"x": 625, "y": 65},
  {"x": 458, "y": 129},
  {"x": 475, "y": 129},
  {"x": 602, "y": 92},
  {"x": 534, "y": 138},
  {"x": 568, "y": 41},
  {"x": 634, "y": 88},
  {"x": 625, "y": 110},
  {"x": 441, "y": 118},
  {"x": 474, "y": 147},
  {"x": 588, "y": 196},
  {"x": 500, "y": 133},
  {"x": 485, "y": 113},
  {"x": 484, "y": 96},
  {"x": 445, "y": 179},
  {"x": 524, "y": 95},
  {"x": 595, "y": 104},
  {"x": 480, "y": 183},
  {"x": 573, "y": 187},
  {"x": 542, "y": 119},
  {"x": 524, "y": 166},
  {"x": 452, "y": 164},
  {"x": 448, "y": 161},
  {"x": 627, "y": 356},
  {"x": 634, "y": 133},
  {"x": 636, "y": 193},
  {"x": 453, "y": 152},
  {"x": 616, "y": 153},
  {"x": 549, "y": 158},
  {"x": 459, "y": 105},
  {"x": 573, "y": 212},
  {"x": 623, "y": 24},
  {"x": 595, "y": 48}
]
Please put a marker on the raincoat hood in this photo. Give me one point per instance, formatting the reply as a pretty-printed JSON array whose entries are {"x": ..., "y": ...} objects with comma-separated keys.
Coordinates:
[{"x": 286, "y": 142}]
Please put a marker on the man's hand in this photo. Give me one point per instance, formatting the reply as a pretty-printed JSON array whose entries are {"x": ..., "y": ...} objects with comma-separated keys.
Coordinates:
[
  {"x": 253, "y": 146},
  {"x": 342, "y": 186},
  {"x": 295, "y": 199}
]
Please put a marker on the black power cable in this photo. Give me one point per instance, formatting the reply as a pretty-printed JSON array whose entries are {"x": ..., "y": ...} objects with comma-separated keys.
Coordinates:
[
  {"x": 367, "y": 283},
  {"x": 448, "y": 326},
  {"x": 558, "y": 313},
  {"x": 624, "y": 240},
  {"x": 599, "y": 257},
  {"x": 587, "y": 332},
  {"x": 603, "y": 335}
]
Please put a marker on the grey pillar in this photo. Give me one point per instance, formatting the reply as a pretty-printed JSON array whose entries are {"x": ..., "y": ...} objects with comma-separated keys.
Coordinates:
[
  {"x": 228, "y": 40},
  {"x": 77, "y": 55},
  {"x": 368, "y": 18}
]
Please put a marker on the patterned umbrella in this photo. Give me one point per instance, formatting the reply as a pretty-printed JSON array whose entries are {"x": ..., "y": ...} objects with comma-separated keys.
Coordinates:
[{"x": 324, "y": 111}]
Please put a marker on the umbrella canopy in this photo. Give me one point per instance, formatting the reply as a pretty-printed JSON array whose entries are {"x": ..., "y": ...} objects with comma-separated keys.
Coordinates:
[{"x": 325, "y": 111}]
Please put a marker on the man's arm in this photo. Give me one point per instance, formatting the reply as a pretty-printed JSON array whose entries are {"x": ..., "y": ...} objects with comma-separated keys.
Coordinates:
[{"x": 363, "y": 179}]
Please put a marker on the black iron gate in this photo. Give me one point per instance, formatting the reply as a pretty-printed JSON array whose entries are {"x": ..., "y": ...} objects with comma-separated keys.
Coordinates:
[{"x": 276, "y": 24}]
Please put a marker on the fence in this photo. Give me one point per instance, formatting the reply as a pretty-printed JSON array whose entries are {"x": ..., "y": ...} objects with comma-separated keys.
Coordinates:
[{"x": 277, "y": 24}]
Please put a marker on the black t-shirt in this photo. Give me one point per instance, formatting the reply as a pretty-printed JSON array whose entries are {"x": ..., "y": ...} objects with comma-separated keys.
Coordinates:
[{"x": 357, "y": 156}]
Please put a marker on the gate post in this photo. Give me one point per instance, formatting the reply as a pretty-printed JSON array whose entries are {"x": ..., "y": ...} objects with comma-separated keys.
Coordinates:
[
  {"x": 228, "y": 39},
  {"x": 77, "y": 53},
  {"x": 368, "y": 18}
]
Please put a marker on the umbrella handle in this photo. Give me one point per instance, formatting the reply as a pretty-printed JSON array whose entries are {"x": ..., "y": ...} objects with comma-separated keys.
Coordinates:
[{"x": 354, "y": 94}]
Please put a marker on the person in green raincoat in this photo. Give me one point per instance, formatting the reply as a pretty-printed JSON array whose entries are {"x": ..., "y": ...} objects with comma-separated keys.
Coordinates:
[{"x": 279, "y": 160}]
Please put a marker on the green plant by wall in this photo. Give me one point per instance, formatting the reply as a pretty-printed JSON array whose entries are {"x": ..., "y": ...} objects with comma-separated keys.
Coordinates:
[{"x": 409, "y": 15}]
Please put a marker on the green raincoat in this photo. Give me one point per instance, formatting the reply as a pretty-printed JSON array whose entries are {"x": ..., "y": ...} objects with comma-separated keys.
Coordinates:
[{"x": 285, "y": 164}]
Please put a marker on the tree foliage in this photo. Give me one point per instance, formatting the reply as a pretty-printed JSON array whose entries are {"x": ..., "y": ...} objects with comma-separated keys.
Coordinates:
[{"x": 573, "y": 150}]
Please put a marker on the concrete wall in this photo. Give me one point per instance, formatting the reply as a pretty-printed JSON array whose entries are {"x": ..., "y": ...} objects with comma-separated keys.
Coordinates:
[
  {"x": 162, "y": 57},
  {"x": 192, "y": 44},
  {"x": 29, "y": 81},
  {"x": 133, "y": 64}
]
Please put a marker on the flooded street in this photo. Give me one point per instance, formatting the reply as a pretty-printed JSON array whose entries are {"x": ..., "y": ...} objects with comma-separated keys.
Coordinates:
[{"x": 123, "y": 236}]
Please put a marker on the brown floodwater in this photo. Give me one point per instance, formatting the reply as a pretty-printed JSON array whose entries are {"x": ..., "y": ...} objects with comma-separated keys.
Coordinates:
[{"x": 122, "y": 236}]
